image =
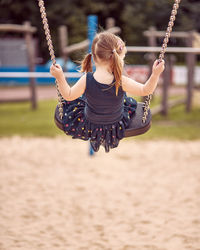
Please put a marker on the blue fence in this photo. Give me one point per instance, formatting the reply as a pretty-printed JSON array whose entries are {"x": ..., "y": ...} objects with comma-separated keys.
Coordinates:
[{"x": 12, "y": 81}]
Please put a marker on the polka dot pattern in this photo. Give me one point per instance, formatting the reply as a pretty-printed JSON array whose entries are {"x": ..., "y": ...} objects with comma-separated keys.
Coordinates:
[{"x": 109, "y": 135}]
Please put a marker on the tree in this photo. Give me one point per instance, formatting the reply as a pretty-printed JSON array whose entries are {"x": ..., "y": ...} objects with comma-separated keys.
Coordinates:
[{"x": 133, "y": 16}]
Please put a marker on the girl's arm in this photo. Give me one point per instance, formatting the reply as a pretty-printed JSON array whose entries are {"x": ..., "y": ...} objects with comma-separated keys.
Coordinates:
[
  {"x": 67, "y": 92},
  {"x": 138, "y": 89}
]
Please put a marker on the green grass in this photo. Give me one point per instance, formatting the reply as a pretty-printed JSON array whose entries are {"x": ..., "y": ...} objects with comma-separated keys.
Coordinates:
[
  {"x": 19, "y": 119},
  {"x": 177, "y": 125}
]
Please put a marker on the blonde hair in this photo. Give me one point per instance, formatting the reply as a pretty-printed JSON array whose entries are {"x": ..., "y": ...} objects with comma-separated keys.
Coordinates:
[{"x": 106, "y": 47}]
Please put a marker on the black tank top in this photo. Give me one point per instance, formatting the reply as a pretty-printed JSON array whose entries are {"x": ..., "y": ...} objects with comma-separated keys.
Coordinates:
[{"x": 102, "y": 104}]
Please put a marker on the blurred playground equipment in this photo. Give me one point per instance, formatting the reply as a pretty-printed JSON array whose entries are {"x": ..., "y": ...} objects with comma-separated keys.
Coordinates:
[
  {"x": 35, "y": 74},
  {"x": 27, "y": 30},
  {"x": 18, "y": 58},
  {"x": 192, "y": 42}
]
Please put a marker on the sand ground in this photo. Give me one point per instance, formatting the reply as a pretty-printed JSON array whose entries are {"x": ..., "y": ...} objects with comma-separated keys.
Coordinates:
[{"x": 144, "y": 195}]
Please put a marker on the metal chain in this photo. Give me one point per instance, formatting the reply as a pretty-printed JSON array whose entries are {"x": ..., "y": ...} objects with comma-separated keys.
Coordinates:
[
  {"x": 162, "y": 52},
  {"x": 51, "y": 51}
]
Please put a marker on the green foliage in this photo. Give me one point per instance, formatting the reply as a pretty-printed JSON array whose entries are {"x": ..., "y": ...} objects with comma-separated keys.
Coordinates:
[{"x": 133, "y": 16}]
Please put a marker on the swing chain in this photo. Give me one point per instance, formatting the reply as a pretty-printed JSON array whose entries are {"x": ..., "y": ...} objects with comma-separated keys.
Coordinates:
[
  {"x": 162, "y": 53},
  {"x": 146, "y": 107},
  {"x": 51, "y": 51}
]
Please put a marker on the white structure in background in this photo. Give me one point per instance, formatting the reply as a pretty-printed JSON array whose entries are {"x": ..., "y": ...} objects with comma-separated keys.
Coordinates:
[{"x": 179, "y": 74}]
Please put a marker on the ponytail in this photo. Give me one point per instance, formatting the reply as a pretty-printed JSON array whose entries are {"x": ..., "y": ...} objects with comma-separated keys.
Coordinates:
[
  {"x": 117, "y": 67},
  {"x": 86, "y": 65}
]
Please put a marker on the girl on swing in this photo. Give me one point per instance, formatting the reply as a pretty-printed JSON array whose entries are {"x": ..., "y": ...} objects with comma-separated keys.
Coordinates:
[{"x": 96, "y": 107}]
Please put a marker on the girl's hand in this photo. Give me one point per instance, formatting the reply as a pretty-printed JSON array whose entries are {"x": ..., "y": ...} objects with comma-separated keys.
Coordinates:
[
  {"x": 158, "y": 68},
  {"x": 56, "y": 71}
]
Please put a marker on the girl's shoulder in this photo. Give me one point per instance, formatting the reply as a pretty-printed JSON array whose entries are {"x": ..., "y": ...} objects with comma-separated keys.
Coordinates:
[
  {"x": 98, "y": 80},
  {"x": 89, "y": 76}
]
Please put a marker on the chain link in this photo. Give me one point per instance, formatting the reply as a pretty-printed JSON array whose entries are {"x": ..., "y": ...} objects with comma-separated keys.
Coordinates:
[
  {"x": 162, "y": 52},
  {"x": 51, "y": 51}
]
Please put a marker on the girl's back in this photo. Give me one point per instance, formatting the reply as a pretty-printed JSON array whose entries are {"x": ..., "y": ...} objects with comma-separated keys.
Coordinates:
[{"x": 102, "y": 104}]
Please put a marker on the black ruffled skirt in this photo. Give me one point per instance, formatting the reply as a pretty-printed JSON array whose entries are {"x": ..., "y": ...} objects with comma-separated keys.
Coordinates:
[{"x": 109, "y": 135}]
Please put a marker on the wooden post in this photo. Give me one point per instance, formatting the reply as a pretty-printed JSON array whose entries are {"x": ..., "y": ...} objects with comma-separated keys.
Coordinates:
[
  {"x": 152, "y": 56},
  {"x": 172, "y": 61},
  {"x": 63, "y": 35},
  {"x": 191, "y": 61},
  {"x": 31, "y": 62},
  {"x": 165, "y": 86},
  {"x": 110, "y": 23},
  {"x": 152, "y": 43}
]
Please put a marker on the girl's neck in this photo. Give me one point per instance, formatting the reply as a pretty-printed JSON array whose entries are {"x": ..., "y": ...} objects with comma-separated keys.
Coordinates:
[
  {"x": 103, "y": 68},
  {"x": 103, "y": 75}
]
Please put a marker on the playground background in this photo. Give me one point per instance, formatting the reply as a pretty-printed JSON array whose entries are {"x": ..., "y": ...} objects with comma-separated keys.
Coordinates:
[
  {"x": 143, "y": 14},
  {"x": 143, "y": 195}
]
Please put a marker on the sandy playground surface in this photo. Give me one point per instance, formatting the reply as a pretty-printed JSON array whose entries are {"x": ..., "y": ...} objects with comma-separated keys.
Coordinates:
[{"x": 140, "y": 196}]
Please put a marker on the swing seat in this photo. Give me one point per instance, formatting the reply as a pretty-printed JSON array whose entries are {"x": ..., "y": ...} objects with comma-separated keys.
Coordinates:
[{"x": 136, "y": 127}]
